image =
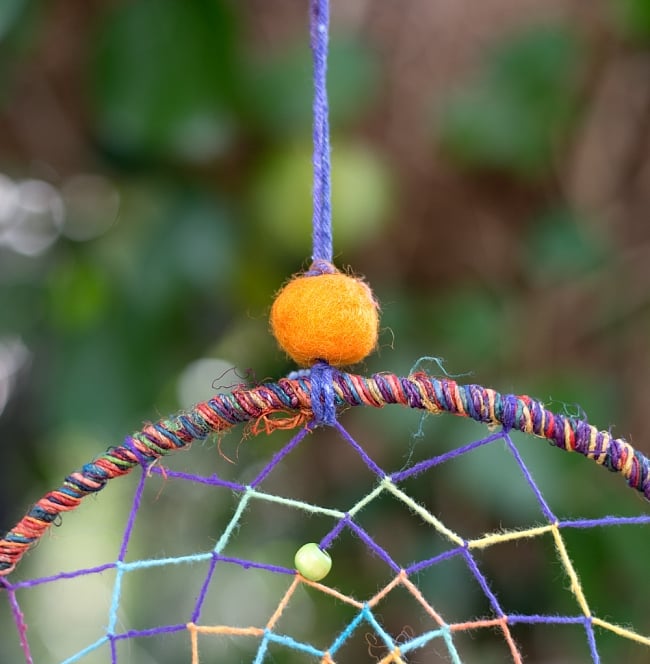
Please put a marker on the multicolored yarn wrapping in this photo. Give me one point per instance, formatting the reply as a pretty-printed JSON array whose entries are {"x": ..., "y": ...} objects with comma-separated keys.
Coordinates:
[
  {"x": 287, "y": 404},
  {"x": 309, "y": 401}
]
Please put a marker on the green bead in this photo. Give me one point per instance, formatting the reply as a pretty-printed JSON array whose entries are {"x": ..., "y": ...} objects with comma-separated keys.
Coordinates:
[{"x": 312, "y": 562}]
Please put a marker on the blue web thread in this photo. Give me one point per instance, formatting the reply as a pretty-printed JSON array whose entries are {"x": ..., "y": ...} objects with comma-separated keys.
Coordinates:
[
  {"x": 345, "y": 521},
  {"x": 323, "y": 406}
]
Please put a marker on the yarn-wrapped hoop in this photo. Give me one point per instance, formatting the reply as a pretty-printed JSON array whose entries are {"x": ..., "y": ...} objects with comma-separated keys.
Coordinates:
[{"x": 291, "y": 398}]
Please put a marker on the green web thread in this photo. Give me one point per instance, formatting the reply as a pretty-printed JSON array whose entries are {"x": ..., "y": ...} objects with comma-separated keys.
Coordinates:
[{"x": 366, "y": 615}]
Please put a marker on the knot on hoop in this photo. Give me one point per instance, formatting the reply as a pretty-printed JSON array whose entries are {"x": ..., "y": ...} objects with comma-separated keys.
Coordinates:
[
  {"x": 323, "y": 403},
  {"x": 511, "y": 409}
]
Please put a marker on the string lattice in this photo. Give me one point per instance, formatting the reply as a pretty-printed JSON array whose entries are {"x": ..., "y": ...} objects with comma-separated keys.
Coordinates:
[{"x": 287, "y": 404}]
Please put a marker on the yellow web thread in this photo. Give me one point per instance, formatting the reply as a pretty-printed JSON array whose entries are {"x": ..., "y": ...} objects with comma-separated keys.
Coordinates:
[
  {"x": 401, "y": 579},
  {"x": 397, "y": 653},
  {"x": 621, "y": 631},
  {"x": 485, "y": 541},
  {"x": 576, "y": 586},
  {"x": 422, "y": 512}
]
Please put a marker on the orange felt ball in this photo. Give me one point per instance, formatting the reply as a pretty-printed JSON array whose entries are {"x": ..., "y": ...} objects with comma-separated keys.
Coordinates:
[{"x": 331, "y": 317}]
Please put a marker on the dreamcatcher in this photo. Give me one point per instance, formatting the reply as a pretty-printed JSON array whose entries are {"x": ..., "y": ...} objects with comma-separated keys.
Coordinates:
[{"x": 324, "y": 320}]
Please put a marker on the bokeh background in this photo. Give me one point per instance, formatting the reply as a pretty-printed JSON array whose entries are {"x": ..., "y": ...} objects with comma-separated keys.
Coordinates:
[{"x": 491, "y": 180}]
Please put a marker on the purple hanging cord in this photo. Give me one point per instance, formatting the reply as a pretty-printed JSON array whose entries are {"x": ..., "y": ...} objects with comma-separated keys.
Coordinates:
[
  {"x": 322, "y": 392},
  {"x": 322, "y": 253}
]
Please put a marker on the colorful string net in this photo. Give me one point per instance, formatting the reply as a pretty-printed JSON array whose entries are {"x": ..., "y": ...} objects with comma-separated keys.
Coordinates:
[
  {"x": 240, "y": 598},
  {"x": 414, "y": 578}
]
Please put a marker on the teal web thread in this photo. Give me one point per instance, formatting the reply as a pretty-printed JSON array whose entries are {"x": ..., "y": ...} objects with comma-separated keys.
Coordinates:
[
  {"x": 385, "y": 482},
  {"x": 365, "y": 615},
  {"x": 159, "y": 440},
  {"x": 438, "y": 362},
  {"x": 282, "y": 639},
  {"x": 418, "y": 391},
  {"x": 443, "y": 633}
]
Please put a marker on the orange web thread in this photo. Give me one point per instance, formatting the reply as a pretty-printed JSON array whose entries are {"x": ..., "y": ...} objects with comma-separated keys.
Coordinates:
[{"x": 394, "y": 657}]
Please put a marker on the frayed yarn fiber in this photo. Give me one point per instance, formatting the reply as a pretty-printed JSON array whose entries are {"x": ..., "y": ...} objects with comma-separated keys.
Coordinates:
[{"x": 330, "y": 317}]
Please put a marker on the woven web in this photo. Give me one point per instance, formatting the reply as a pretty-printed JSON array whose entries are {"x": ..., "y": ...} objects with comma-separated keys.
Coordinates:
[
  {"x": 224, "y": 573},
  {"x": 270, "y": 632}
]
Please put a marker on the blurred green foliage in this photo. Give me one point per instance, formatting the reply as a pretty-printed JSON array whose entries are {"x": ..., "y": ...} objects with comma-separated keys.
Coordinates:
[
  {"x": 562, "y": 247},
  {"x": 279, "y": 86},
  {"x": 163, "y": 80},
  {"x": 10, "y": 12},
  {"x": 196, "y": 129},
  {"x": 281, "y": 196},
  {"x": 634, "y": 18},
  {"x": 513, "y": 117}
]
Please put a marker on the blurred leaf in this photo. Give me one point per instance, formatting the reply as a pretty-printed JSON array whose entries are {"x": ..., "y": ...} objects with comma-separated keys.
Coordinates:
[
  {"x": 79, "y": 295},
  {"x": 561, "y": 247},
  {"x": 280, "y": 87},
  {"x": 248, "y": 343},
  {"x": 513, "y": 116},
  {"x": 482, "y": 472},
  {"x": 199, "y": 236},
  {"x": 89, "y": 383},
  {"x": 470, "y": 327},
  {"x": 21, "y": 23},
  {"x": 21, "y": 309},
  {"x": 361, "y": 196},
  {"x": 163, "y": 77},
  {"x": 633, "y": 17},
  {"x": 171, "y": 244},
  {"x": 10, "y": 13}
]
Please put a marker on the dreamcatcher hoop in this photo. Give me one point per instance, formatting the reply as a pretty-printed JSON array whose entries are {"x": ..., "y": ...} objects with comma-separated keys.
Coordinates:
[
  {"x": 291, "y": 400},
  {"x": 312, "y": 399},
  {"x": 287, "y": 404}
]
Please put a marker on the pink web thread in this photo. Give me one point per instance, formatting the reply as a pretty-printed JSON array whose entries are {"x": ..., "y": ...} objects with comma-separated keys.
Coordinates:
[{"x": 365, "y": 615}]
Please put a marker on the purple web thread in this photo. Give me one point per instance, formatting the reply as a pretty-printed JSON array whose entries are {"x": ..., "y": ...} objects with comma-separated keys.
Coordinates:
[
  {"x": 348, "y": 522},
  {"x": 324, "y": 413}
]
